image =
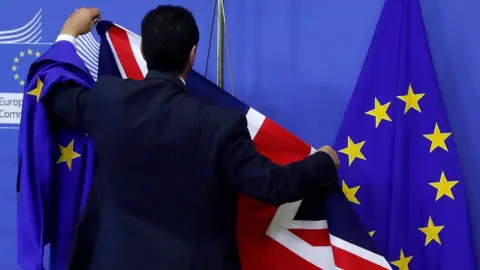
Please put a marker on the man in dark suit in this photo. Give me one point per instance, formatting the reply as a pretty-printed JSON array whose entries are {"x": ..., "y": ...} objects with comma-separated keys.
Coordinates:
[{"x": 168, "y": 165}]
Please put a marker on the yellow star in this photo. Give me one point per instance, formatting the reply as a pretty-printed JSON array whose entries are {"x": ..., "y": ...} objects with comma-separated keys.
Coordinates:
[
  {"x": 350, "y": 193},
  {"x": 403, "y": 262},
  {"x": 353, "y": 150},
  {"x": 14, "y": 68},
  {"x": 411, "y": 100},
  {"x": 16, "y": 60},
  {"x": 22, "y": 83},
  {"x": 380, "y": 112},
  {"x": 67, "y": 154},
  {"x": 16, "y": 76},
  {"x": 29, "y": 51},
  {"x": 431, "y": 232},
  {"x": 371, "y": 233},
  {"x": 37, "y": 54},
  {"x": 37, "y": 91},
  {"x": 444, "y": 187},
  {"x": 437, "y": 138},
  {"x": 22, "y": 54}
]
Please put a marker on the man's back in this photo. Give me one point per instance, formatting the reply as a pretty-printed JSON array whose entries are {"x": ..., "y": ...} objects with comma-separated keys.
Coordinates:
[
  {"x": 168, "y": 169},
  {"x": 162, "y": 198}
]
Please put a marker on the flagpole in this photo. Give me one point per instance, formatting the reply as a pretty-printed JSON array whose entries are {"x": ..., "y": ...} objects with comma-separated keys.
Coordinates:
[{"x": 220, "y": 43}]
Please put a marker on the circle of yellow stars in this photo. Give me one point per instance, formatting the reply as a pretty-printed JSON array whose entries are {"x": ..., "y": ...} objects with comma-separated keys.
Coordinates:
[
  {"x": 437, "y": 141},
  {"x": 16, "y": 61}
]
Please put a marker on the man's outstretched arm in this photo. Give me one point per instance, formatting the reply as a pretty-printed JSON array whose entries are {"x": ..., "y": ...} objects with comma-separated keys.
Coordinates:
[{"x": 256, "y": 176}]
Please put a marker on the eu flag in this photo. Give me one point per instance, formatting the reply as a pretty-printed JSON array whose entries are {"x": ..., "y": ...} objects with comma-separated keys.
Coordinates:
[
  {"x": 55, "y": 163},
  {"x": 399, "y": 163}
]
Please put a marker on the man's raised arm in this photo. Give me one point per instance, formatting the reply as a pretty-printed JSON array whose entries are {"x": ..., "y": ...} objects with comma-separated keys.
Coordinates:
[{"x": 68, "y": 100}]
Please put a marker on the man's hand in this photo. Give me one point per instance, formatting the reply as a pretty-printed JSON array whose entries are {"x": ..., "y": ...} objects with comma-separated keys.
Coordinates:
[
  {"x": 329, "y": 150},
  {"x": 81, "y": 21}
]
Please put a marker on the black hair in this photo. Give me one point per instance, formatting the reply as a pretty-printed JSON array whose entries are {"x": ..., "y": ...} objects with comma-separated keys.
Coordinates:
[{"x": 168, "y": 35}]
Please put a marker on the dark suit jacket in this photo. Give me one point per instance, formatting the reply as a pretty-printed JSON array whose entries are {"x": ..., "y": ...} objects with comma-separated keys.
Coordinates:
[{"x": 168, "y": 170}]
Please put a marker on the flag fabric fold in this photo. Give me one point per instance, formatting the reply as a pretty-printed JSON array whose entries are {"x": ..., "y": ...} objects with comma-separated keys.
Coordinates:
[
  {"x": 321, "y": 232},
  {"x": 55, "y": 164},
  {"x": 400, "y": 167}
]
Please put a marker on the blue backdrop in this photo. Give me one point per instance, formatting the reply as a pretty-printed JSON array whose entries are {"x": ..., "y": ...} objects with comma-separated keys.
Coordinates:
[{"x": 296, "y": 61}]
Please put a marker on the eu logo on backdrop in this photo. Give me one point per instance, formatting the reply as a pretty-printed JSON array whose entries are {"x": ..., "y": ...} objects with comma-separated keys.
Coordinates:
[{"x": 19, "y": 47}]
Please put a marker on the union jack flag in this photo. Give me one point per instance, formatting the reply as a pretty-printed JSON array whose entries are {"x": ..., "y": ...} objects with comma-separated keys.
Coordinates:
[{"x": 321, "y": 232}]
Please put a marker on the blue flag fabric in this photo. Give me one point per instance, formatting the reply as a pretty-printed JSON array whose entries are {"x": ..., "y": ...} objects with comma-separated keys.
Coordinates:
[
  {"x": 399, "y": 164},
  {"x": 55, "y": 164}
]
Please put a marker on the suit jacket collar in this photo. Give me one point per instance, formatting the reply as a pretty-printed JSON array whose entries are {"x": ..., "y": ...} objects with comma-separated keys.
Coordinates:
[{"x": 171, "y": 77}]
